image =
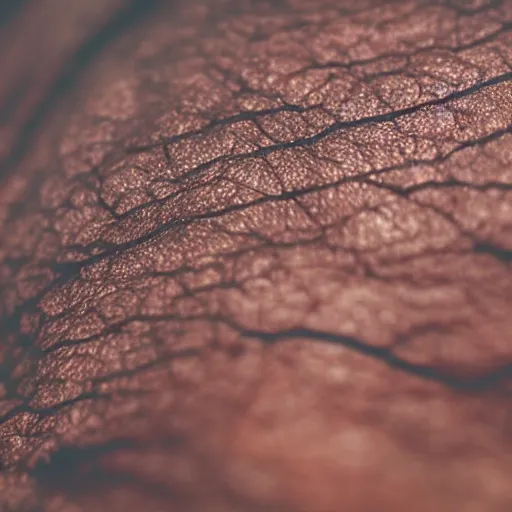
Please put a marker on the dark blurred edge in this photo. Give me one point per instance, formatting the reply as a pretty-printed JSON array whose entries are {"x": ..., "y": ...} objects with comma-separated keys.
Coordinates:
[{"x": 125, "y": 18}]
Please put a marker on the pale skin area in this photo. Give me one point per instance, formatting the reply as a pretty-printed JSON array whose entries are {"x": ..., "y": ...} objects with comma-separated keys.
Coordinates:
[{"x": 259, "y": 259}]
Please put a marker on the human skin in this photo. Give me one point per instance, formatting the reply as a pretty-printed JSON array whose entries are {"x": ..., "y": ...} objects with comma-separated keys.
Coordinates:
[{"x": 255, "y": 256}]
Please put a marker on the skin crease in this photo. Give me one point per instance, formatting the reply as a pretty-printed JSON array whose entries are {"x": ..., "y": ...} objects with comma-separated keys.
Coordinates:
[{"x": 256, "y": 256}]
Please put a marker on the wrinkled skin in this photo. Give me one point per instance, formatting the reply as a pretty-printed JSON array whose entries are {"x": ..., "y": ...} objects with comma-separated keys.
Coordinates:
[{"x": 255, "y": 256}]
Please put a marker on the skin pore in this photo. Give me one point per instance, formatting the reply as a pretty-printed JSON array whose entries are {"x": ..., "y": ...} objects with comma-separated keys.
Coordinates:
[{"x": 255, "y": 256}]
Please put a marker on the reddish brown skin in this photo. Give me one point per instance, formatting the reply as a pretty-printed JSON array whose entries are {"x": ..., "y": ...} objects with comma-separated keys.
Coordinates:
[{"x": 255, "y": 256}]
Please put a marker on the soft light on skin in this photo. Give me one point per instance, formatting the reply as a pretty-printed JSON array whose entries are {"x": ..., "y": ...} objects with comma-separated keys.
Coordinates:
[{"x": 256, "y": 256}]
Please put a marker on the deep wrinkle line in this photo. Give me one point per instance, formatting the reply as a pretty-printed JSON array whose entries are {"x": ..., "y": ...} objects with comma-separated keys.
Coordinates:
[
  {"x": 246, "y": 115},
  {"x": 301, "y": 192},
  {"x": 384, "y": 355},
  {"x": 300, "y": 142},
  {"x": 354, "y": 344},
  {"x": 334, "y": 127},
  {"x": 262, "y": 152},
  {"x": 68, "y": 271},
  {"x": 379, "y": 118}
]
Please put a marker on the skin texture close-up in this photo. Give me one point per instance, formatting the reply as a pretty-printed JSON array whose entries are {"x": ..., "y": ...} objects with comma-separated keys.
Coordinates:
[{"x": 256, "y": 256}]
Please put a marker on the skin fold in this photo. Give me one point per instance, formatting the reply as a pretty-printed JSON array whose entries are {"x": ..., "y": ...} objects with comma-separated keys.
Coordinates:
[{"x": 255, "y": 256}]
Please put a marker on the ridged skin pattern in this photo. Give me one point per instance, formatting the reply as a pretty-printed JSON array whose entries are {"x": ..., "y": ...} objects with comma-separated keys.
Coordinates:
[{"x": 255, "y": 256}]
